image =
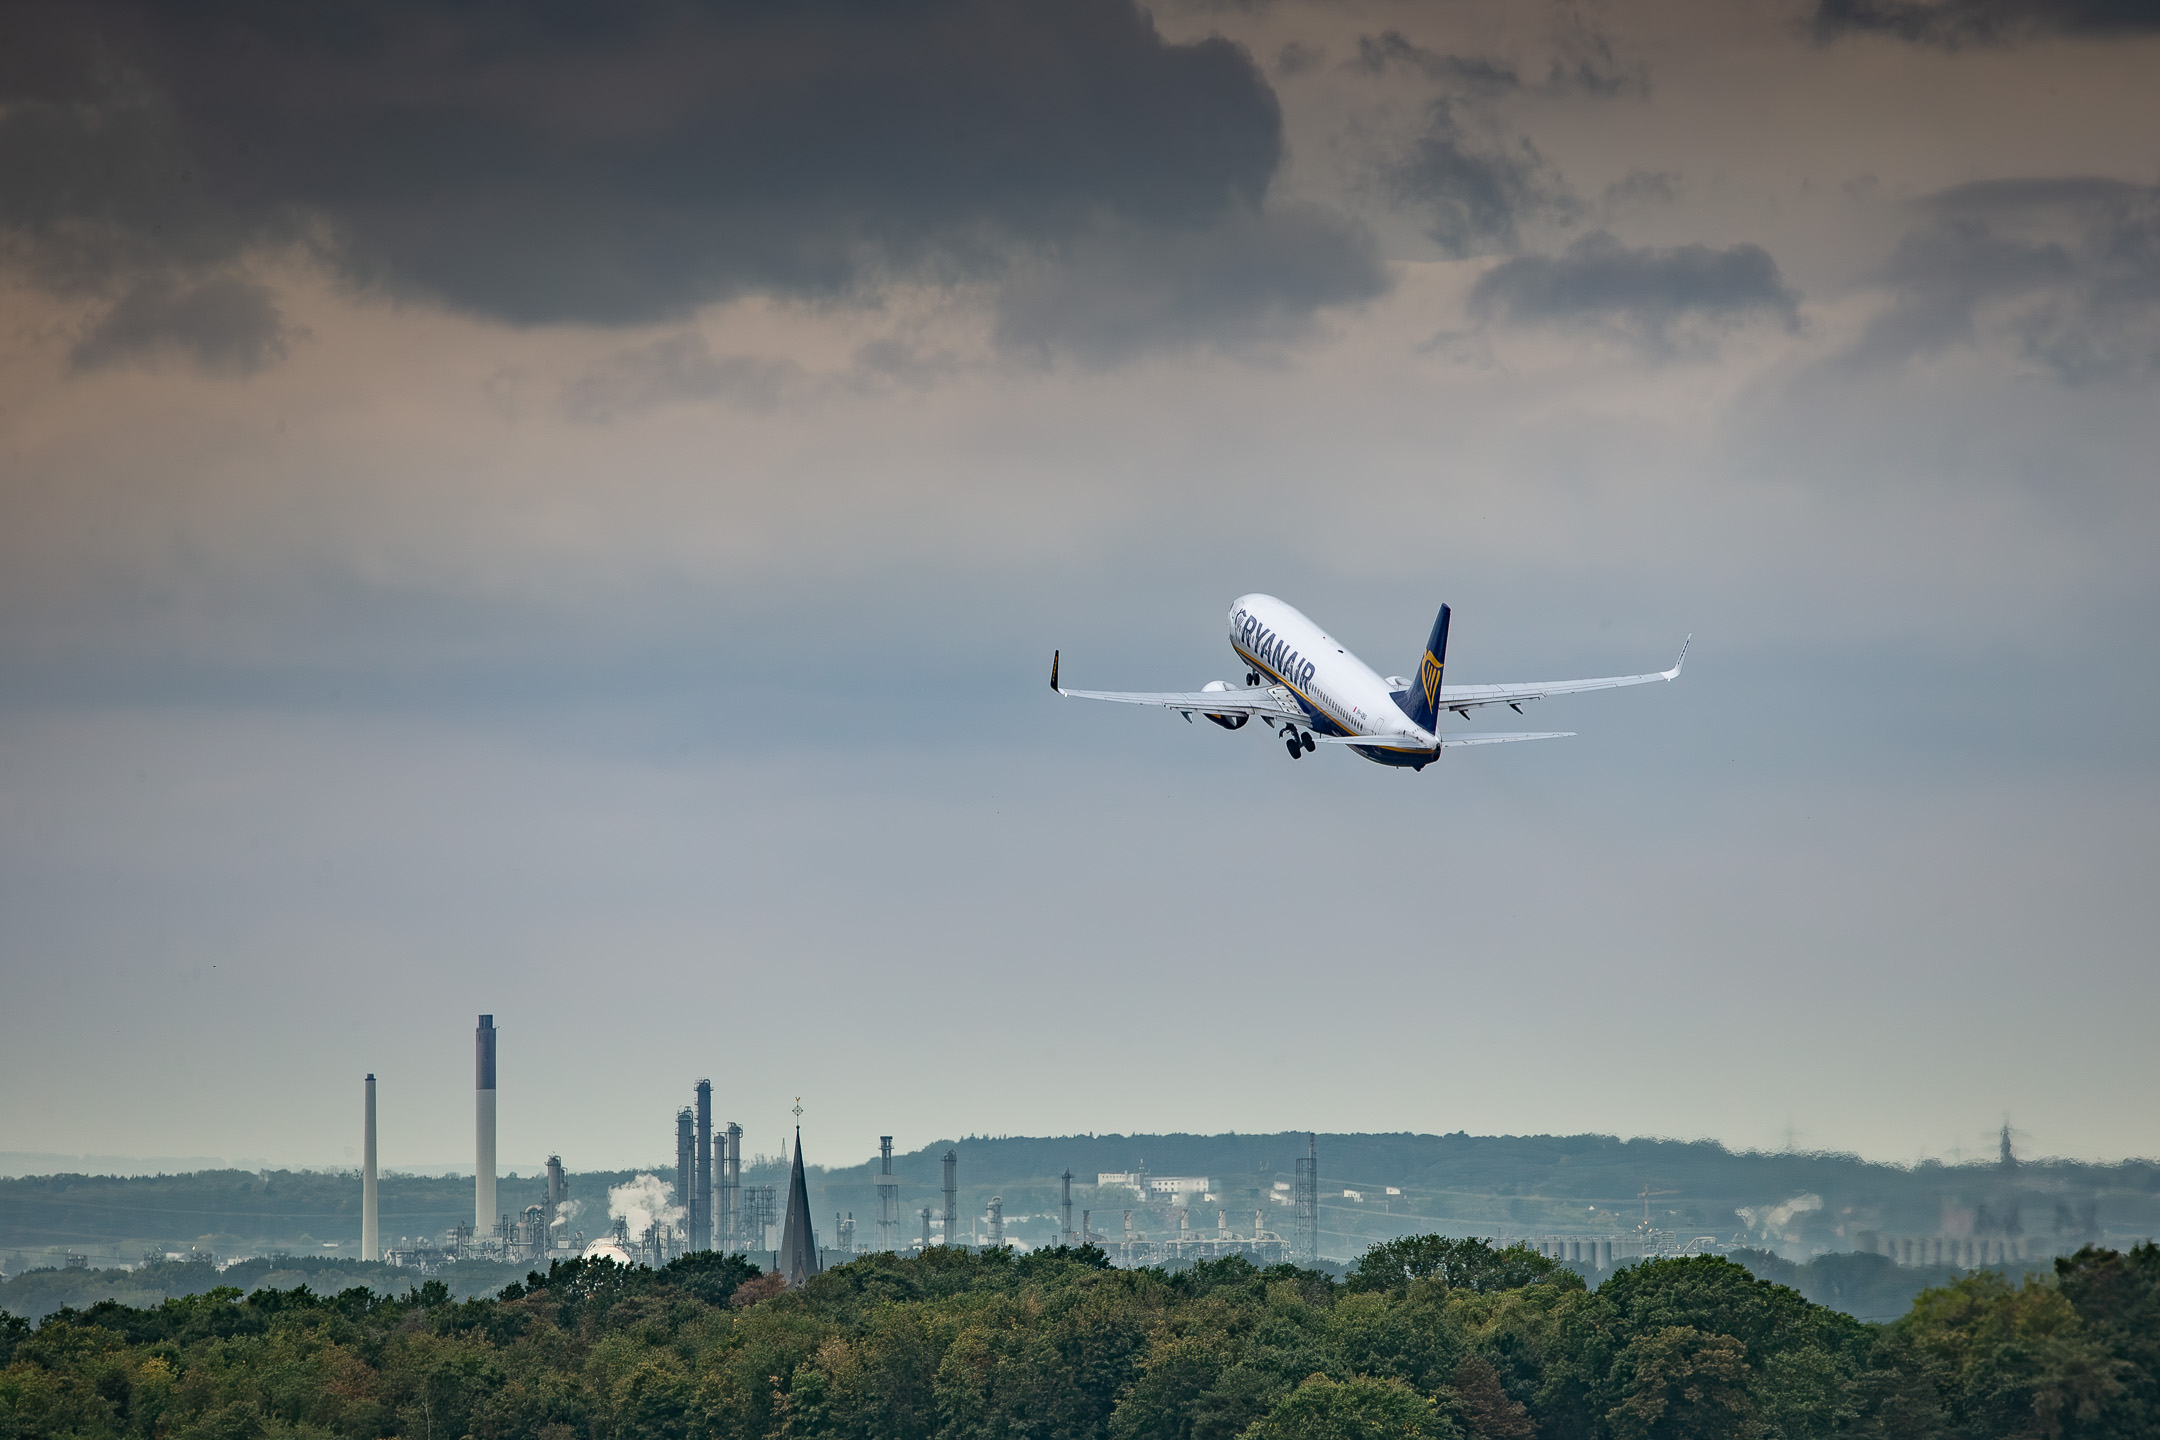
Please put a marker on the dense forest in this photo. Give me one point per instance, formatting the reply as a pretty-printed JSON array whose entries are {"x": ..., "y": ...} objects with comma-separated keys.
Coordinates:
[
  {"x": 1426, "y": 1337},
  {"x": 1868, "y": 1286},
  {"x": 37, "y": 1293}
]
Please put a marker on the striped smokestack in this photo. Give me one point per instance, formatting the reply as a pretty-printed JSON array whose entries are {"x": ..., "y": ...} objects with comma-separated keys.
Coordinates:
[
  {"x": 484, "y": 1118},
  {"x": 370, "y": 1230}
]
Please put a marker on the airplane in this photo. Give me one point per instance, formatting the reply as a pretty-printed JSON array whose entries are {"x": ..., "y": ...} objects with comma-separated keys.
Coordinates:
[{"x": 1302, "y": 683}]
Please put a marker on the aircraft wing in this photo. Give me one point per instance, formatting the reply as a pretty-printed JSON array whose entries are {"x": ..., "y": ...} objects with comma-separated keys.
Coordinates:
[
  {"x": 1447, "y": 742},
  {"x": 1264, "y": 700},
  {"x": 1464, "y": 698}
]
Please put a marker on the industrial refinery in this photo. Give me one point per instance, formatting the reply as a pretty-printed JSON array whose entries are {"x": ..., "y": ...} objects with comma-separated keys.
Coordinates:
[{"x": 707, "y": 1206}]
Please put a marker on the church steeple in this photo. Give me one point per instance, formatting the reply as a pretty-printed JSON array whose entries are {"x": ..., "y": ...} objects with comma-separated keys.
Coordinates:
[{"x": 798, "y": 1257}]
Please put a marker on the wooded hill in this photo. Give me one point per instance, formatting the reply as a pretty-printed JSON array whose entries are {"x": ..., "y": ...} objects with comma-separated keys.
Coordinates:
[{"x": 1427, "y": 1338}]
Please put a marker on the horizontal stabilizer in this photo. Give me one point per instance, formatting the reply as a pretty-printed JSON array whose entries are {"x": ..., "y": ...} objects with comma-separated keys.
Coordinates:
[
  {"x": 1501, "y": 737},
  {"x": 1376, "y": 742},
  {"x": 1447, "y": 742}
]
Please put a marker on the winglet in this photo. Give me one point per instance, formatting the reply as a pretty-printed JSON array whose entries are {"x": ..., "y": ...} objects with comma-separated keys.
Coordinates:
[
  {"x": 1674, "y": 673},
  {"x": 1054, "y": 670}
]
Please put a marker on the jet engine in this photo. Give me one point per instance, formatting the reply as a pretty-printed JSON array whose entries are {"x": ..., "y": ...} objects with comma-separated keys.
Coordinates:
[{"x": 1228, "y": 722}]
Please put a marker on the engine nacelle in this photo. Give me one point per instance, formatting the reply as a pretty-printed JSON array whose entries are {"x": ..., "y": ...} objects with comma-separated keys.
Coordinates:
[{"x": 1228, "y": 722}]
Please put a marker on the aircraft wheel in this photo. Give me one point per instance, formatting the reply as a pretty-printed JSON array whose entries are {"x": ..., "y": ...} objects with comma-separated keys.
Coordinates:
[
  {"x": 1309, "y": 745},
  {"x": 1296, "y": 750},
  {"x": 1252, "y": 677}
]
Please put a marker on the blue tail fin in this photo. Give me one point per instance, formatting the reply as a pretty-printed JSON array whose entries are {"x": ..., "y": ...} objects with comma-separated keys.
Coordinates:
[{"x": 1421, "y": 702}]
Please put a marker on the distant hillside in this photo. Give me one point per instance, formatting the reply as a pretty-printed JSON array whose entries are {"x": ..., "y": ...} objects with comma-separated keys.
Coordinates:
[
  {"x": 41, "y": 1292},
  {"x": 1796, "y": 1204},
  {"x": 1580, "y": 1184}
]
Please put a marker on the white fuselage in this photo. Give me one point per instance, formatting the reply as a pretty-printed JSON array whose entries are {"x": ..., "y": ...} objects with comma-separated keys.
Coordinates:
[{"x": 1343, "y": 694}]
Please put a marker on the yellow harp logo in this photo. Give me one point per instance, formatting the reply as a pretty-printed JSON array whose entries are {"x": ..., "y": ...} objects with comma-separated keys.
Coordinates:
[{"x": 1429, "y": 678}]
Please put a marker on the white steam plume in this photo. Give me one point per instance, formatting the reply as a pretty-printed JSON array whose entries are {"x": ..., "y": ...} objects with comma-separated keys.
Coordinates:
[{"x": 642, "y": 1202}]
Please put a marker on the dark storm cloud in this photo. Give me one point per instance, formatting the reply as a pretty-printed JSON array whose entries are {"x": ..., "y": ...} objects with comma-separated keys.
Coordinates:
[
  {"x": 1254, "y": 276},
  {"x": 1970, "y": 22},
  {"x": 1651, "y": 297},
  {"x": 623, "y": 162},
  {"x": 227, "y": 326},
  {"x": 2067, "y": 271}
]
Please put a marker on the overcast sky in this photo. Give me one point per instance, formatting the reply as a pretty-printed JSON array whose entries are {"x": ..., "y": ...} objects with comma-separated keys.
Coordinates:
[{"x": 564, "y": 511}]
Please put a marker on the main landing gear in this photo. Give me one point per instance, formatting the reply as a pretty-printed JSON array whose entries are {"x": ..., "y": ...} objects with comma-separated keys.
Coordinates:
[{"x": 1299, "y": 744}]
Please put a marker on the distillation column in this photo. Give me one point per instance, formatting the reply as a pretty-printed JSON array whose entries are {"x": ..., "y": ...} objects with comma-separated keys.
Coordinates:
[
  {"x": 888, "y": 1198},
  {"x": 685, "y": 1123},
  {"x": 731, "y": 1189},
  {"x": 558, "y": 1191},
  {"x": 701, "y": 1191}
]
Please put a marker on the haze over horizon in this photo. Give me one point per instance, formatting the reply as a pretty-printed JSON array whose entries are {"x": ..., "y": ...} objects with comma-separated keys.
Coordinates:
[{"x": 566, "y": 514}]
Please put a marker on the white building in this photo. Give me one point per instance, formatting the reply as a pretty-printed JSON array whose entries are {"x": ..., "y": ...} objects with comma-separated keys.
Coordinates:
[
  {"x": 1166, "y": 1189},
  {"x": 1178, "y": 1189}
]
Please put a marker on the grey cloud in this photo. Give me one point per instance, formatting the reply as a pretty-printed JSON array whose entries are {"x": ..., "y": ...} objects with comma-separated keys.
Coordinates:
[
  {"x": 678, "y": 369},
  {"x": 1641, "y": 188},
  {"x": 1646, "y": 296},
  {"x": 1256, "y": 276},
  {"x": 1951, "y": 23},
  {"x": 889, "y": 359},
  {"x": 1474, "y": 190},
  {"x": 1583, "y": 60},
  {"x": 1475, "y": 183},
  {"x": 1586, "y": 61},
  {"x": 616, "y": 162},
  {"x": 2068, "y": 271},
  {"x": 227, "y": 325},
  {"x": 1297, "y": 58},
  {"x": 1392, "y": 50}
]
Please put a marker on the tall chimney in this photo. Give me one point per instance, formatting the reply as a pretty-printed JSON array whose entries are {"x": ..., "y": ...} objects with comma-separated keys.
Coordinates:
[
  {"x": 484, "y": 1126},
  {"x": 1066, "y": 1236},
  {"x": 370, "y": 1230},
  {"x": 952, "y": 1197},
  {"x": 701, "y": 1192}
]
